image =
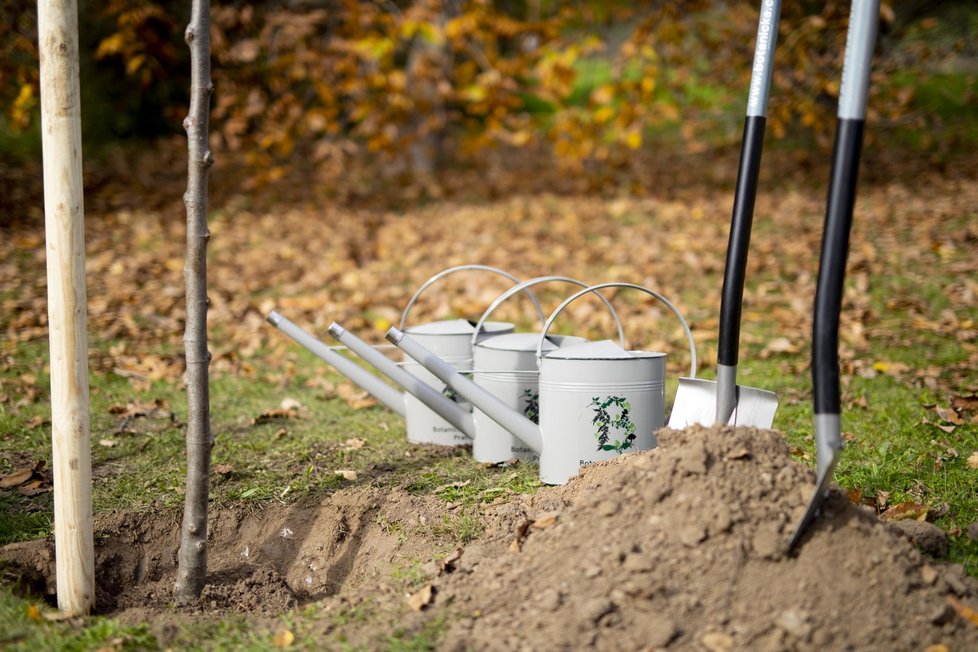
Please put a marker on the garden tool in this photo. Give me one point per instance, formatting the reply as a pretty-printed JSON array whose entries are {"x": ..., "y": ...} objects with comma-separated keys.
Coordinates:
[
  {"x": 723, "y": 401},
  {"x": 856, "y": 69},
  {"x": 597, "y": 399}
]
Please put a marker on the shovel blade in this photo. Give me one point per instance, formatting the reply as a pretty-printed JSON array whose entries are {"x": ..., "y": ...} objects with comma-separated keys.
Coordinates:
[
  {"x": 815, "y": 502},
  {"x": 696, "y": 403}
]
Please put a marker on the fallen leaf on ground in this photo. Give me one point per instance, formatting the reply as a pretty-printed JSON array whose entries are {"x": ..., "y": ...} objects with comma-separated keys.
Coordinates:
[
  {"x": 347, "y": 474},
  {"x": 18, "y": 477},
  {"x": 283, "y": 638},
  {"x": 451, "y": 485},
  {"x": 156, "y": 409},
  {"x": 942, "y": 426},
  {"x": 965, "y": 403},
  {"x": 972, "y": 460},
  {"x": 108, "y": 443},
  {"x": 61, "y": 617},
  {"x": 421, "y": 598},
  {"x": 521, "y": 531},
  {"x": 33, "y": 488},
  {"x": 779, "y": 345},
  {"x": 500, "y": 465},
  {"x": 882, "y": 497},
  {"x": 545, "y": 520},
  {"x": 223, "y": 469},
  {"x": 890, "y": 368},
  {"x": 355, "y": 398},
  {"x": 906, "y": 511},
  {"x": 329, "y": 389},
  {"x": 966, "y": 612},
  {"x": 275, "y": 414},
  {"x": 36, "y": 422},
  {"x": 290, "y": 404},
  {"x": 354, "y": 443},
  {"x": 949, "y": 415}
]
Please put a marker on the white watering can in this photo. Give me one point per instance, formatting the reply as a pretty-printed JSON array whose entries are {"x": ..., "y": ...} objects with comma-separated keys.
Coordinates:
[
  {"x": 597, "y": 399},
  {"x": 452, "y": 339}
]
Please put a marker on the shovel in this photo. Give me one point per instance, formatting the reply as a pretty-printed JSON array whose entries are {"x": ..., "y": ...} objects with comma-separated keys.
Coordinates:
[
  {"x": 707, "y": 402},
  {"x": 856, "y": 70}
]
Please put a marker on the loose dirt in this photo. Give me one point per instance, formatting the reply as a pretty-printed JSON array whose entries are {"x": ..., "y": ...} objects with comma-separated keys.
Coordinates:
[{"x": 683, "y": 547}]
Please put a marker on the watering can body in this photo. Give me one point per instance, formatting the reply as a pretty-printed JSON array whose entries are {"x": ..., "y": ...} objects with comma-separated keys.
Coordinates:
[
  {"x": 597, "y": 402},
  {"x": 506, "y": 367},
  {"x": 452, "y": 341}
]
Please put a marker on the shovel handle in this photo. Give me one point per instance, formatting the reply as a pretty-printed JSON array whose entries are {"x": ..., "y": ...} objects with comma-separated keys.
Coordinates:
[
  {"x": 841, "y": 201},
  {"x": 601, "y": 286},
  {"x": 460, "y": 268},
  {"x": 536, "y": 281},
  {"x": 745, "y": 194}
]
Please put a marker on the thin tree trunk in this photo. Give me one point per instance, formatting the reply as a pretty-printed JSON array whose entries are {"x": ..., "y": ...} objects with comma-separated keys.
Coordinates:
[
  {"x": 57, "y": 22},
  {"x": 427, "y": 67},
  {"x": 192, "y": 561}
]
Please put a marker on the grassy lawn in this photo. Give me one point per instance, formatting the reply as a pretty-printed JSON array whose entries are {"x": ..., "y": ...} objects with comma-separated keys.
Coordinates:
[{"x": 287, "y": 428}]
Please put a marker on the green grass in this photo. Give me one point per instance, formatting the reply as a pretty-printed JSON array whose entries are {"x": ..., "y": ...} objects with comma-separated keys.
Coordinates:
[
  {"x": 463, "y": 527},
  {"x": 21, "y": 631},
  {"x": 894, "y": 443},
  {"x": 422, "y": 641}
]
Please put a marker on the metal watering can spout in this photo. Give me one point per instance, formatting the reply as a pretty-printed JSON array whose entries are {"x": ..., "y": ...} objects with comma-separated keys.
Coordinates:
[
  {"x": 374, "y": 386},
  {"x": 432, "y": 398},
  {"x": 521, "y": 427}
]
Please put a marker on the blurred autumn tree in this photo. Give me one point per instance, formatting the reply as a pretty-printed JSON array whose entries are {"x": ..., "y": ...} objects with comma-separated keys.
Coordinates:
[{"x": 420, "y": 83}]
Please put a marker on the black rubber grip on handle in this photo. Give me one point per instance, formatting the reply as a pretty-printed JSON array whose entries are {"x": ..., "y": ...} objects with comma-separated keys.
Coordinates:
[
  {"x": 732, "y": 297},
  {"x": 832, "y": 265}
]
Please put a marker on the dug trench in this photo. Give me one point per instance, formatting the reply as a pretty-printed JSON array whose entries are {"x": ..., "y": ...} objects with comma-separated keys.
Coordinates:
[{"x": 681, "y": 547}]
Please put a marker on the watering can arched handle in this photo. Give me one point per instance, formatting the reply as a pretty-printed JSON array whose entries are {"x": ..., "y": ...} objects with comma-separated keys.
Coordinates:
[
  {"x": 536, "y": 281},
  {"x": 460, "y": 268},
  {"x": 653, "y": 293}
]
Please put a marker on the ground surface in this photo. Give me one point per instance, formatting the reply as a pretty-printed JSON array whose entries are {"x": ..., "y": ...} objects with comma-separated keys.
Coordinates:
[
  {"x": 329, "y": 530},
  {"x": 683, "y": 547}
]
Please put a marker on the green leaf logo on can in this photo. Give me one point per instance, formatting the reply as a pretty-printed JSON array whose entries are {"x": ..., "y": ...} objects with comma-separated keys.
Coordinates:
[
  {"x": 612, "y": 419},
  {"x": 532, "y": 408}
]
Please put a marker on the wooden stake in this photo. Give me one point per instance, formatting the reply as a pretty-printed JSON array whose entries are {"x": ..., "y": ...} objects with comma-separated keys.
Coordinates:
[{"x": 64, "y": 219}]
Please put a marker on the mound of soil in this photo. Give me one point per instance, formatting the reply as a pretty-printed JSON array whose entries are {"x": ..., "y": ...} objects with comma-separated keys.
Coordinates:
[{"x": 684, "y": 547}]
